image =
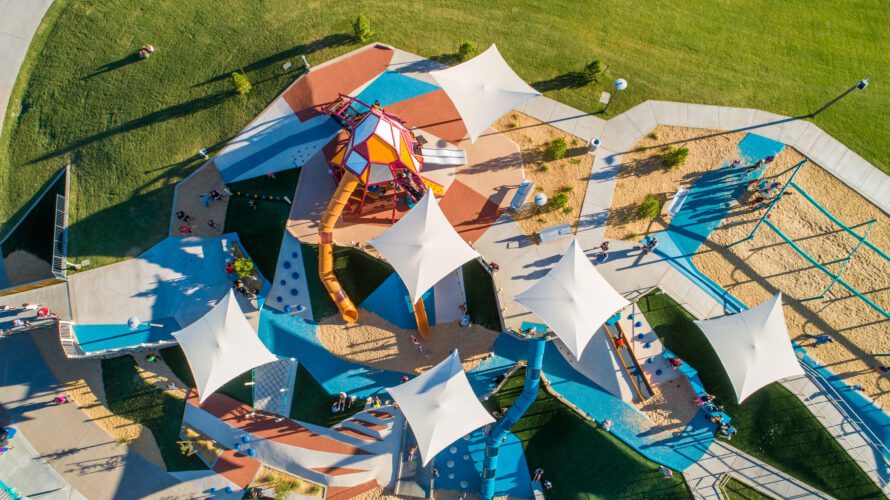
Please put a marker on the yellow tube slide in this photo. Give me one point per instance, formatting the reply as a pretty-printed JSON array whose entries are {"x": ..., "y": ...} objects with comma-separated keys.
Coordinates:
[
  {"x": 329, "y": 218},
  {"x": 423, "y": 323}
]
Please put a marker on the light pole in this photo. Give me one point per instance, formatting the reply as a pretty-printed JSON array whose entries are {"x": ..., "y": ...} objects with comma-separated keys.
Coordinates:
[{"x": 620, "y": 84}]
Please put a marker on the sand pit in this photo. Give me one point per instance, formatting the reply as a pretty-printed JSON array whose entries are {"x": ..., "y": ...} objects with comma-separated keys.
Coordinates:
[
  {"x": 569, "y": 174},
  {"x": 642, "y": 172},
  {"x": 671, "y": 407},
  {"x": 375, "y": 342},
  {"x": 754, "y": 270}
]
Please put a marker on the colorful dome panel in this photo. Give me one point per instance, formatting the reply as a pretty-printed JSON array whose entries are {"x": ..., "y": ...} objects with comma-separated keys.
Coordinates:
[{"x": 379, "y": 145}]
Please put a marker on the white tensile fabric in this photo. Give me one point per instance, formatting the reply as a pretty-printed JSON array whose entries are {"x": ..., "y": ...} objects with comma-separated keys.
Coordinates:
[
  {"x": 753, "y": 346},
  {"x": 440, "y": 406},
  {"x": 573, "y": 299},
  {"x": 423, "y": 247},
  {"x": 221, "y": 346},
  {"x": 483, "y": 89}
]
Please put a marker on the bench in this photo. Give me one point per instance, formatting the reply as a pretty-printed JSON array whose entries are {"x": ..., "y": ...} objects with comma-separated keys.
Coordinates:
[
  {"x": 525, "y": 187},
  {"x": 555, "y": 232}
]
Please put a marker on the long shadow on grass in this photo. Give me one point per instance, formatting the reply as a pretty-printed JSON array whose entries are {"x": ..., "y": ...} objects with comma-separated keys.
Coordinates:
[
  {"x": 113, "y": 65},
  {"x": 168, "y": 113},
  {"x": 570, "y": 80},
  {"x": 333, "y": 40}
]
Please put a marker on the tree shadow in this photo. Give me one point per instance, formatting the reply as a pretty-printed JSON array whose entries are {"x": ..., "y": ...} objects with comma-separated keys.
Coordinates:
[
  {"x": 162, "y": 115},
  {"x": 570, "y": 80},
  {"x": 113, "y": 65},
  {"x": 446, "y": 59},
  {"x": 333, "y": 40}
]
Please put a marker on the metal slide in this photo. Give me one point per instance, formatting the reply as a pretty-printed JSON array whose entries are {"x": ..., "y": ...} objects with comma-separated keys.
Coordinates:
[
  {"x": 329, "y": 218},
  {"x": 630, "y": 364},
  {"x": 437, "y": 156}
]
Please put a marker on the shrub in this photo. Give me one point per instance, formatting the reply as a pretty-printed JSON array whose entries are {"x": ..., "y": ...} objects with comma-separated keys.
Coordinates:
[
  {"x": 240, "y": 83},
  {"x": 675, "y": 157},
  {"x": 243, "y": 267},
  {"x": 361, "y": 28},
  {"x": 567, "y": 210},
  {"x": 543, "y": 168},
  {"x": 650, "y": 208},
  {"x": 566, "y": 189},
  {"x": 593, "y": 71},
  {"x": 467, "y": 51},
  {"x": 555, "y": 149},
  {"x": 559, "y": 200},
  {"x": 653, "y": 135}
]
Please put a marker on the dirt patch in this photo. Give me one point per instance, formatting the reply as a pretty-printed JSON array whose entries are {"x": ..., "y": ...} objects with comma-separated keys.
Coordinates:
[
  {"x": 375, "y": 342},
  {"x": 188, "y": 200},
  {"x": 754, "y": 270},
  {"x": 671, "y": 407},
  {"x": 568, "y": 175},
  {"x": 642, "y": 172}
]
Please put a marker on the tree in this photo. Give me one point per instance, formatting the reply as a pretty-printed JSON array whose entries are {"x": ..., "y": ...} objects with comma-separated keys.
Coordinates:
[
  {"x": 467, "y": 51},
  {"x": 650, "y": 208},
  {"x": 556, "y": 149},
  {"x": 361, "y": 28},
  {"x": 243, "y": 267},
  {"x": 593, "y": 71},
  {"x": 675, "y": 157},
  {"x": 241, "y": 83}
]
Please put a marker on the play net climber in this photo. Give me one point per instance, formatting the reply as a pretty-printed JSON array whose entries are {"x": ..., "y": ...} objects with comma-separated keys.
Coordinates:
[{"x": 836, "y": 277}]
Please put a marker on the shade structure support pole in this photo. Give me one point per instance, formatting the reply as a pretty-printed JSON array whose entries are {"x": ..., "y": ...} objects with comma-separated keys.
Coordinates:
[
  {"x": 771, "y": 205},
  {"x": 500, "y": 429}
]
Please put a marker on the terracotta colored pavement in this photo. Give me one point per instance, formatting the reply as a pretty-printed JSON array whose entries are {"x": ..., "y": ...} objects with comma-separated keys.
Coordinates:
[
  {"x": 322, "y": 85},
  {"x": 469, "y": 212},
  {"x": 287, "y": 432},
  {"x": 336, "y": 471},
  {"x": 346, "y": 492},
  {"x": 433, "y": 112},
  {"x": 383, "y": 415},
  {"x": 236, "y": 467}
]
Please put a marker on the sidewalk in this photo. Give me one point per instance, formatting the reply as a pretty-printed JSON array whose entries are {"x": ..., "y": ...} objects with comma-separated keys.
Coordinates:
[
  {"x": 78, "y": 449},
  {"x": 703, "y": 477},
  {"x": 31, "y": 475},
  {"x": 19, "y": 20}
]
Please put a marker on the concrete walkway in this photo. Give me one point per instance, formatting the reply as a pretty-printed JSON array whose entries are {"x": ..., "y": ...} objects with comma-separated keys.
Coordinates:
[
  {"x": 19, "y": 20},
  {"x": 83, "y": 454},
  {"x": 704, "y": 476}
]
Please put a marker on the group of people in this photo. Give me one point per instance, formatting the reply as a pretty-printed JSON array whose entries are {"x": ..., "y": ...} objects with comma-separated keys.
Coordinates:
[
  {"x": 185, "y": 219},
  {"x": 41, "y": 312},
  {"x": 716, "y": 415},
  {"x": 146, "y": 51},
  {"x": 649, "y": 245},
  {"x": 415, "y": 340},
  {"x": 6, "y": 433}
]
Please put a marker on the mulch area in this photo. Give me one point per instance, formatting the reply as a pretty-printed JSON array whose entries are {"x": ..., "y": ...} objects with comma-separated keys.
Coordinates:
[{"x": 188, "y": 200}]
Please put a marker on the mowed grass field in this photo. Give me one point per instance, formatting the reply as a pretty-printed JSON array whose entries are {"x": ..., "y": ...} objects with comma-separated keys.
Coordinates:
[{"x": 131, "y": 129}]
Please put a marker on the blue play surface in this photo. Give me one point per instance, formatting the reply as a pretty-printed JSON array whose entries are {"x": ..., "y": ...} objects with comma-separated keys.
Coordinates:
[
  {"x": 707, "y": 204},
  {"x": 391, "y": 87},
  {"x": 93, "y": 338},
  {"x": 391, "y": 302},
  {"x": 465, "y": 464}
]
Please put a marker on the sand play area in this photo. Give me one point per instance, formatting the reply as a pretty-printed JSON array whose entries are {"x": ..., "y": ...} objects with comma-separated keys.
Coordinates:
[
  {"x": 569, "y": 174},
  {"x": 758, "y": 268},
  {"x": 375, "y": 342},
  {"x": 642, "y": 172}
]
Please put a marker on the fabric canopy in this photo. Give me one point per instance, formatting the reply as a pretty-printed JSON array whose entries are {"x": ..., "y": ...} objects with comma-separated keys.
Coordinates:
[
  {"x": 753, "y": 346},
  {"x": 483, "y": 89},
  {"x": 221, "y": 346},
  {"x": 423, "y": 247},
  {"x": 573, "y": 299},
  {"x": 440, "y": 406}
]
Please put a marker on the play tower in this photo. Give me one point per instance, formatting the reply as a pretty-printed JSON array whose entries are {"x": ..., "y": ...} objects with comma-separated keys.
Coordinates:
[{"x": 380, "y": 160}]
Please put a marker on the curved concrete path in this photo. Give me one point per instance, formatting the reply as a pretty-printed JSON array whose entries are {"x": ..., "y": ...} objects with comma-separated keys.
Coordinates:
[{"x": 19, "y": 20}]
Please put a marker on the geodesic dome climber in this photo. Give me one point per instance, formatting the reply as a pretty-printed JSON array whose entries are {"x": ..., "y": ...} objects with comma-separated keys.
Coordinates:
[{"x": 382, "y": 157}]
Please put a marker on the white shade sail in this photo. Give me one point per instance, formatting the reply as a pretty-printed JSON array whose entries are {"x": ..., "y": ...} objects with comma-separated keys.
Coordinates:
[
  {"x": 423, "y": 247},
  {"x": 573, "y": 299},
  {"x": 753, "y": 346},
  {"x": 440, "y": 406},
  {"x": 483, "y": 89},
  {"x": 221, "y": 346}
]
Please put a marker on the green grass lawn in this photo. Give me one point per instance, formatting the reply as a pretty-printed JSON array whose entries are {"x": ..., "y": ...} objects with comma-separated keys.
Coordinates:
[
  {"x": 261, "y": 229},
  {"x": 365, "y": 273},
  {"x": 128, "y": 395},
  {"x": 131, "y": 128},
  {"x": 737, "y": 490},
  {"x": 581, "y": 460},
  {"x": 481, "y": 302},
  {"x": 773, "y": 425},
  {"x": 313, "y": 404}
]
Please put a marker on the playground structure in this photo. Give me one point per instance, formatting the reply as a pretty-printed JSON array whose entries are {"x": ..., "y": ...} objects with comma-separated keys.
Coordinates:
[
  {"x": 836, "y": 278},
  {"x": 382, "y": 156}
]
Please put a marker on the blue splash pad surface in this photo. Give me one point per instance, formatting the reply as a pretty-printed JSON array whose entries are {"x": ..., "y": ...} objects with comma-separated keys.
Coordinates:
[
  {"x": 513, "y": 477},
  {"x": 93, "y": 338},
  {"x": 391, "y": 87},
  {"x": 391, "y": 302}
]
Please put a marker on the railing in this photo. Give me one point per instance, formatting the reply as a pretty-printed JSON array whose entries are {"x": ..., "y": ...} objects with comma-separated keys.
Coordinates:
[
  {"x": 850, "y": 415},
  {"x": 60, "y": 238}
]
